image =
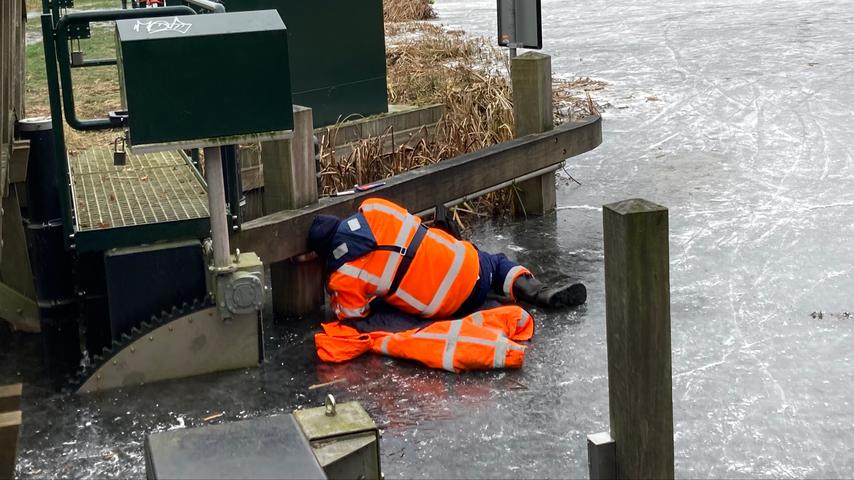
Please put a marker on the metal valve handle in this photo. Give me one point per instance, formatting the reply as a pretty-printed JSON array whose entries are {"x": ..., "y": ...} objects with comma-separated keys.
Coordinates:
[{"x": 330, "y": 405}]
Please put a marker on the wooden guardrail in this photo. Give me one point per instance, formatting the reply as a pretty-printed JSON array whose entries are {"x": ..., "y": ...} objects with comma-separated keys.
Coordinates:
[{"x": 282, "y": 235}]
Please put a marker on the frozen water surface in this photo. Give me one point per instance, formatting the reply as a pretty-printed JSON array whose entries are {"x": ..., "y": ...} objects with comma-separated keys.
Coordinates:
[{"x": 735, "y": 115}]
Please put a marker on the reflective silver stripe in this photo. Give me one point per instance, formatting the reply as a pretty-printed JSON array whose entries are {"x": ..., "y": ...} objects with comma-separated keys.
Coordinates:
[
  {"x": 383, "y": 208},
  {"x": 451, "y": 345},
  {"x": 384, "y": 344},
  {"x": 442, "y": 240},
  {"x": 464, "y": 339},
  {"x": 350, "y": 312},
  {"x": 500, "y": 345},
  {"x": 457, "y": 265},
  {"x": 359, "y": 274},
  {"x": 477, "y": 318},
  {"x": 409, "y": 222},
  {"x": 508, "y": 280},
  {"x": 523, "y": 320},
  {"x": 500, "y": 356},
  {"x": 410, "y": 300}
]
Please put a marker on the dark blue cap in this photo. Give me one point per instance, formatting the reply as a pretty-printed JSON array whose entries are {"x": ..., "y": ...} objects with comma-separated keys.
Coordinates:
[{"x": 320, "y": 234}]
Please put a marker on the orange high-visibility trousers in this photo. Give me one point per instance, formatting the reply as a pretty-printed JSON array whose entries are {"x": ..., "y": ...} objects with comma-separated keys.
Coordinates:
[{"x": 481, "y": 341}]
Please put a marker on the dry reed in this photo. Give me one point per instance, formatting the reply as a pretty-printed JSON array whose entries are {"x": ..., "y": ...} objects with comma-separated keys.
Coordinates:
[
  {"x": 428, "y": 64},
  {"x": 408, "y": 10}
]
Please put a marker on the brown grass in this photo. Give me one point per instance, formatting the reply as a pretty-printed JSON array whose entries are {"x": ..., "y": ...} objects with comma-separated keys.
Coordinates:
[
  {"x": 407, "y": 10},
  {"x": 96, "y": 90},
  {"x": 428, "y": 64}
]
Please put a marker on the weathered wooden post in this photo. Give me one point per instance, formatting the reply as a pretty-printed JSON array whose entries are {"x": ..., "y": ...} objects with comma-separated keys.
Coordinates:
[
  {"x": 290, "y": 183},
  {"x": 10, "y": 426},
  {"x": 637, "y": 291},
  {"x": 533, "y": 112}
]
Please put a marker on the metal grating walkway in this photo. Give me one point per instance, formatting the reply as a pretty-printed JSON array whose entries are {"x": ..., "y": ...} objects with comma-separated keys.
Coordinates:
[{"x": 151, "y": 188}]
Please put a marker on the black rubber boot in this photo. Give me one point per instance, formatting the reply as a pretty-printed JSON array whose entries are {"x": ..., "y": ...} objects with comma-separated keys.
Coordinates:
[{"x": 529, "y": 289}]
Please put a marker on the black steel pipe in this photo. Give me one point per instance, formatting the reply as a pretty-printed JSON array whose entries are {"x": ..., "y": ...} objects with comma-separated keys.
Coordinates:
[
  {"x": 42, "y": 198},
  {"x": 100, "y": 62}
]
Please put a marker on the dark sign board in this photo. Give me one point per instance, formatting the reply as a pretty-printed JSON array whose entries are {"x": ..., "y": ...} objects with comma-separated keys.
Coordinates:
[{"x": 520, "y": 24}]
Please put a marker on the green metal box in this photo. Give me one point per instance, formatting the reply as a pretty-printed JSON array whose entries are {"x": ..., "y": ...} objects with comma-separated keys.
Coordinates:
[
  {"x": 202, "y": 80},
  {"x": 337, "y": 54}
]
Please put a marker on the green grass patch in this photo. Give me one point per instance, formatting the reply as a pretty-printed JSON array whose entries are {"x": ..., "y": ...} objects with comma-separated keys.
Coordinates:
[{"x": 96, "y": 90}]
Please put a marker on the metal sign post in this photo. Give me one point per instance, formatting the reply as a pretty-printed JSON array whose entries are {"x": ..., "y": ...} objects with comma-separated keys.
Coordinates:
[{"x": 520, "y": 24}]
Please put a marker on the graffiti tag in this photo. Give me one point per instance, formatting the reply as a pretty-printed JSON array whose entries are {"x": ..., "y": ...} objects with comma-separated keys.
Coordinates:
[{"x": 157, "y": 26}]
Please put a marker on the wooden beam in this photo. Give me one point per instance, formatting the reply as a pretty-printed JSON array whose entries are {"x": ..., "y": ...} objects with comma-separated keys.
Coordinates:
[
  {"x": 400, "y": 118},
  {"x": 18, "y": 161},
  {"x": 10, "y": 427},
  {"x": 21, "y": 312},
  {"x": 637, "y": 310},
  {"x": 10, "y": 397},
  {"x": 15, "y": 269},
  {"x": 282, "y": 235}
]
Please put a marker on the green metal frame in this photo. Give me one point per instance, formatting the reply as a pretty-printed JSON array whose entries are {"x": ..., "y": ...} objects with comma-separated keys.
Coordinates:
[
  {"x": 55, "y": 31},
  {"x": 64, "y": 58}
]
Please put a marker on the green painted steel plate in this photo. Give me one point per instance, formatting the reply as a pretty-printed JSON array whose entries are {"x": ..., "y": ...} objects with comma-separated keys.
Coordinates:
[
  {"x": 337, "y": 54},
  {"x": 197, "y": 78}
]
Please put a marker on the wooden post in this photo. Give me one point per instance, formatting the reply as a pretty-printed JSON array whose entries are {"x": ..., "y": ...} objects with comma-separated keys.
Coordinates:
[
  {"x": 533, "y": 113},
  {"x": 290, "y": 183},
  {"x": 601, "y": 456},
  {"x": 637, "y": 291},
  {"x": 10, "y": 425},
  {"x": 289, "y": 170}
]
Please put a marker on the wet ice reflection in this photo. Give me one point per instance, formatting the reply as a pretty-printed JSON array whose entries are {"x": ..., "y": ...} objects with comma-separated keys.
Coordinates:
[{"x": 737, "y": 116}]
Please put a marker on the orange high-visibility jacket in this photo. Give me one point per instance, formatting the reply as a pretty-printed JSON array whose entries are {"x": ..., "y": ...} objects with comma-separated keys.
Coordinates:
[
  {"x": 441, "y": 275},
  {"x": 480, "y": 341}
]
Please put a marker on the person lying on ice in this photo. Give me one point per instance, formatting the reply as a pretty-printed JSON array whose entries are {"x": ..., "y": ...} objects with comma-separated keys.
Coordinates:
[{"x": 428, "y": 289}]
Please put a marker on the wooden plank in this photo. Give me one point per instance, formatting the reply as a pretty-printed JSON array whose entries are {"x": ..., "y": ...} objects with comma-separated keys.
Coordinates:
[
  {"x": 252, "y": 178},
  {"x": 289, "y": 167},
  {"x": 21, "y": 312},
  {"x": 399, "y": 118},
  {"x": 601, "y": 456},
  {"x": 297, "y": 286},
  {"x": 10, "y": 427},
  {"x": 18, "y": 163},
  {"x": 391, "y": 139},
  {"x": 637, "y": 301},
  {"x": 282, "y": 235},
  {"x": 10, "y": 397},
  {"x": 12, "y": 31},
  {"x": 15, "y": 270},
  {"x": 531, "y": 74},
  {"x": 254, "y": 207}
]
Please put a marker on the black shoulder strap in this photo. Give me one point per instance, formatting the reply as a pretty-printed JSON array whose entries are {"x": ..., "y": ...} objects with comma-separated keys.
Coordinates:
[{"x": 408, "y": 254}]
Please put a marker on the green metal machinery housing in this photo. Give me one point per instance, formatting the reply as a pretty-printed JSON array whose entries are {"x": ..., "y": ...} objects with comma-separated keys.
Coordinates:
[
  {"x": 337, "y": 54},
  {"x": 240, "y": 55}
]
